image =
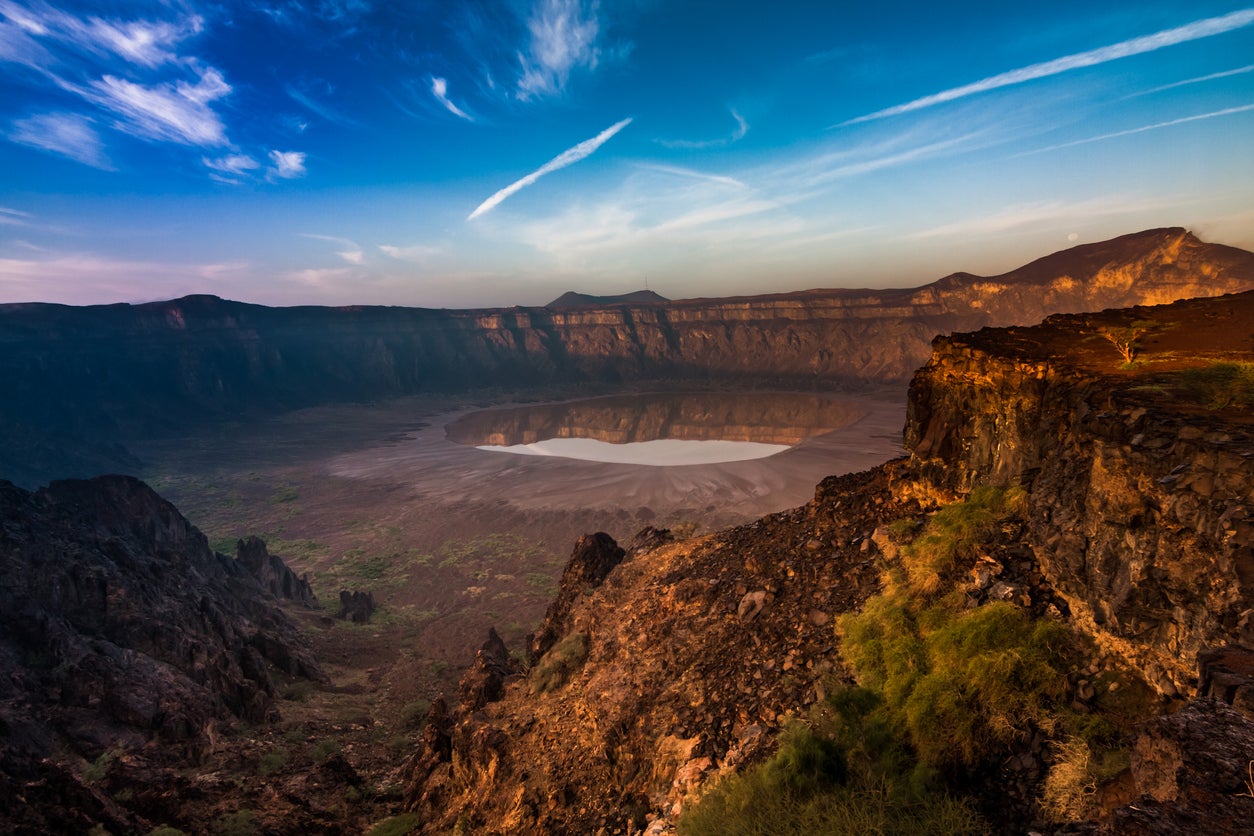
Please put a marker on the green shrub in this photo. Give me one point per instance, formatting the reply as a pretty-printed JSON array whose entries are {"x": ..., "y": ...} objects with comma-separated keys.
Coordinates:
[
  {"x": 931, "y": 560},
  {"x": 807, "y": 787},
  {"x": 1221, "y": 385},
  {"x": 396, "y": 826},
  {"x": 559, "y": 663},
  {"x": 414, "y": 714},
  {"x": 324, "y": 749},
  {"x": 239, "y": 823},
  {"x": 272, "y": 761},
  {"x": 166, "y": 830}
]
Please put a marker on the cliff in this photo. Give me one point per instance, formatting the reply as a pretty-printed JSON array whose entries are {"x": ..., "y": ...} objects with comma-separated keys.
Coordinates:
[
  {"x": 75, "y": 380},
  {"x": 677, "y": 664}
]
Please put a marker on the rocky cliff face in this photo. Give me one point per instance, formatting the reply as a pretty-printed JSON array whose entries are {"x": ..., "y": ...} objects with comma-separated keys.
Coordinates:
[
  {"x": 119, "y": 627},
  {"x": 1141, "y": 491},
  {"x": 106, "y": 372}
]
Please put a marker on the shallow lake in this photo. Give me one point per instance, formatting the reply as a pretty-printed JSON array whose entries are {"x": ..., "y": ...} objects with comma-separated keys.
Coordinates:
[{"x": 658, "y": 430}]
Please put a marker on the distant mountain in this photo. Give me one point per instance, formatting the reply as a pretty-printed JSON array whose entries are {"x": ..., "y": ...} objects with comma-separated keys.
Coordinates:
[{"x": 572, "y": 299}]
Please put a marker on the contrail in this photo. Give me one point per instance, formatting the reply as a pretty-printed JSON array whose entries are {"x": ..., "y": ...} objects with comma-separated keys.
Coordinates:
[
  {"x": 1136, "y": 46},
  {"x": 567, "y": 157}
]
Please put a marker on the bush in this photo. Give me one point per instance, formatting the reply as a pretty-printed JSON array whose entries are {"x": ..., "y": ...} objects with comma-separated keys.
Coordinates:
[
  {"x": 806, "y": 788},
  {"x": 272, "y": 761},
  {"x": 1221, "y": 385},
  {"x": 414, "y": 714},
  {"x": 395, "y": 826},
  {"x": 559, "y": 663},
  {"x": 932, "y": 558},
  {"x": 239, "y": 823}
]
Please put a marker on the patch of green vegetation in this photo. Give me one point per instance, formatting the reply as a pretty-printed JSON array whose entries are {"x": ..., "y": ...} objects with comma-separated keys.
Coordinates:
[
  {"x": 299, "y": 690},
  {"x": 556, "y": 666},
  {"x": 950, "y": 535},
  {"x": 541, "y": 581},
  {"x": 284, "y": 493},
  {"x": 811, "y": 786},
  {"x": 166, "y": 830},
  {"x": 99, "y": 768},
  {"x": 372, "y": 568},
  {"x": 414, "y": 714},
  {"x": 396, "y": 826},
  {"x": 272, "y": 761},
  {"x": 239, "y": 823},
  {"x": 1221, "y": 385},
  {"x": 324, "y": 749}
]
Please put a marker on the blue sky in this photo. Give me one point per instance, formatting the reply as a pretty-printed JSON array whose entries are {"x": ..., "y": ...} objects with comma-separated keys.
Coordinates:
[{"x": 484, "y": 153}]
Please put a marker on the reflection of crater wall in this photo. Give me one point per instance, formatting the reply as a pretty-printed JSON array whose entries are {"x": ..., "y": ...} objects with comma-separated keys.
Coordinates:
[{"x": 764, "y": 418}]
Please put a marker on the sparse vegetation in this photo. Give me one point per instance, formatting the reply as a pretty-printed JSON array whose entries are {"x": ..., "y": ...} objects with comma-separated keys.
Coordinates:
[
  {"x": 272, "y": 761},
  {"x": 239, "y": 823},
  {"x": 99, "y": 768},
  {"x": 1221, "y": 385},
  {"x": 395, "y": 826},
  {"x": 559, "y": 663},
  {"x": 414, "y": 714},
  {"x": 811, "y": 786}
]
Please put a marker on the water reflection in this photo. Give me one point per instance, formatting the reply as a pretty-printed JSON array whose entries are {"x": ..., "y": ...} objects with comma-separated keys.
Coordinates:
[{"x": 658, "y": 429}]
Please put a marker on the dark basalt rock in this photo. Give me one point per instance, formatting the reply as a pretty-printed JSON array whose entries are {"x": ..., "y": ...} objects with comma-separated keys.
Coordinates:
[
  {"x": 120, "y": 627},
  {"x": 356, "y": 606},
  {"x": 272, "y": 573},
  {"x": 484, "y": 681},
  {"x": 593, "y": 558}
]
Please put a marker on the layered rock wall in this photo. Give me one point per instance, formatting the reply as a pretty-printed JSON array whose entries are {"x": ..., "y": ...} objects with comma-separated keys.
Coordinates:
[{"x": 1140, "y": 509}]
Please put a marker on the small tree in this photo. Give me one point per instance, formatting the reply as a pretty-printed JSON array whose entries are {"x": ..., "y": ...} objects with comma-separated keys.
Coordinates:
[{"x": 1127, "y": 340}]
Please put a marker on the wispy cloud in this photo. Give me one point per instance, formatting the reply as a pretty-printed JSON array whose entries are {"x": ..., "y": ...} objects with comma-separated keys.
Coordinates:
[
  {"x": 692, "y": 174},
  {"x": 1136, "y": 46},
  {"x": 563, "y": 37},
  {"x": 1043, "y": 213},
  {"x": 231, "y": 168},
  {"x": 169, "y": 112},
  {"x": 742, "y": 128},
  {"x": 319, "y": 108},
  {"x": 1198, "y": 80},
  {"x": 416, "y": 252},
  {"x": 567, "y": 157},
  {"x": 439, "y": 89},
  {"x": 67, "y": 134},
  {"x": 13, "y": 217},
  {"x": 1157, "y": 125},
  {"x": 349, "y": 251},
  {"x": 148, "y": 43},
  {"x": 287, "y": 164}
]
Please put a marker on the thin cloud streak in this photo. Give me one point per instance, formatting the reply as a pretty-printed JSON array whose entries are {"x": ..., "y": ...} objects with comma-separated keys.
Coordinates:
[
  {"x": 567, "y": 157},
  {"x": 349, "y": 251},
  {"x": 1214, "y": 114},
  {"x": 439, "y": 89},
  {"x": 1136, "y": 46},
  {"x": 1198, "y": 80},
  {"x": 742, "y": 128}
]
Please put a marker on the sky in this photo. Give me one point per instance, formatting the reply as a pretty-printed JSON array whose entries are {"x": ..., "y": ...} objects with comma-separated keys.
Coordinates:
[{"x": 490, "y": 153}]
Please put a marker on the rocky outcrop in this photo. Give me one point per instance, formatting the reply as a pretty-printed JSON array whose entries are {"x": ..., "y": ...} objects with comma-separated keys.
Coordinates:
[
  {"x": 105, "y": 373},
  {"x": 594, "y": 557},
  {"x": 272, "y": 573},
  {"x": 356, "y": 605},
  {"x": 119, "y": 627},
  {"x": 1141, "y": 493}
]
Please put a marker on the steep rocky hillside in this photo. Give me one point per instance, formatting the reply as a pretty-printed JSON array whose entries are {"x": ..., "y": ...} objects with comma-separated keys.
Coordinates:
[
  {"x": 665, "y": 666},
  {"x": 74, "y": 381},
  {"x": 120, "y": 631}
]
